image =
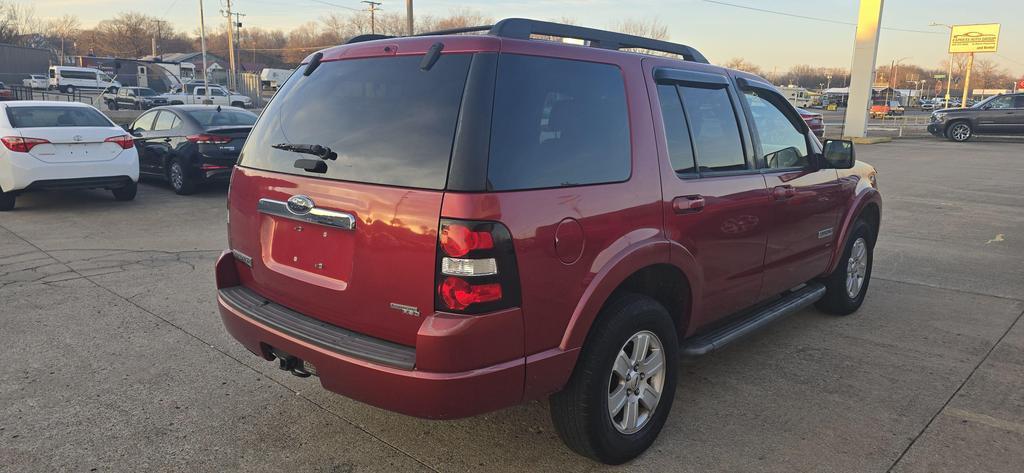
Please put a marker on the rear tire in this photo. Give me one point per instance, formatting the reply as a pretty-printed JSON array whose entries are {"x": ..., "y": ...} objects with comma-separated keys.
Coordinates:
[
  {"x": 69, "y": 89},
  {"x": 6, "y": 201},
  {"x": 582, "y": 412},
  {"x": 126, "y": 193},
  {"x": 180, "y": 181},
  {"x": 238, "y": 104},
  {"x": 847, "y": 286}
]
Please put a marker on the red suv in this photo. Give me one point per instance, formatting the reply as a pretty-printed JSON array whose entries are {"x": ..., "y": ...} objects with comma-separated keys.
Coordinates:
[{"x": 449, "y": 224}]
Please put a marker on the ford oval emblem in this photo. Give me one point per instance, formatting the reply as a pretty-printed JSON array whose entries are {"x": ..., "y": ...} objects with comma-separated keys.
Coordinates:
[{"x": 300, "y": 204}]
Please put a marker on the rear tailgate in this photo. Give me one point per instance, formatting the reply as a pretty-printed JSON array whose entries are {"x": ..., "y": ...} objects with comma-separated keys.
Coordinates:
[
  {"x": 347, "y": 278},
  {"x": 390, "y": 127}
]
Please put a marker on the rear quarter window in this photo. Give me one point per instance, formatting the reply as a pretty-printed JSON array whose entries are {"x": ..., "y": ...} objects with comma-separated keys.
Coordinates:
[{"x": 557, "y": 123}]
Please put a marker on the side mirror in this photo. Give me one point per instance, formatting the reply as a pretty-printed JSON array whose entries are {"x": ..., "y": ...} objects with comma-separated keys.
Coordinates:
[{"x": 839, "y": 154}]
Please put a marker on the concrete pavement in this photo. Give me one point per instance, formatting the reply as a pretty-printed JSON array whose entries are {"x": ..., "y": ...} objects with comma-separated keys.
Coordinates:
[{"x": 116, "y": 359}]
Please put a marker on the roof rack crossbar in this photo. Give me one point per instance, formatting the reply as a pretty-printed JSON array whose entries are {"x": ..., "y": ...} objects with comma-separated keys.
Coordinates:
[
  {"x": 468, "y": 29},
  {"x": 521, "y": 28}
]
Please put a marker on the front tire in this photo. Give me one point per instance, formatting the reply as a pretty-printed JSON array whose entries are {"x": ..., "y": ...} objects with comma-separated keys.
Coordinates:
[
  {"x": 126, "y": 193},
  {"x": 960, "y": 132},
  {"x": 847, "y": 286},
  {"x": 621, "y": 391},
  {"x": 179, "y": 178}
]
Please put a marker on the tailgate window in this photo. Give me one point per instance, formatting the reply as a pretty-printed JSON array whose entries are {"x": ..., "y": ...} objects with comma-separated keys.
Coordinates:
[
  {"x": 388, "y": 121},
  {"x": 39, "y": 117}
]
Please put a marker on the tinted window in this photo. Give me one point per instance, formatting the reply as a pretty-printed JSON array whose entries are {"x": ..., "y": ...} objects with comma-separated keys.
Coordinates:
[
  {"x": 145, "y": 122},
  {"x": 1018, "y": 101},
  {"x": 1005, "y": 101},
  {"x": 164, "y": 121},
  {"x": 680, "y": 150},
  {"x": 782, "y": 144},
  {"x": 225, "y": 117},
  {"x": 716, "y": 134},
  {"x": 36, "y": 117},
  {"x": 145, "y": 92},
  {"x": 557, "y": 123},
  {"x": 388, "y": 121},
  {"x": 78, "y": 75}
]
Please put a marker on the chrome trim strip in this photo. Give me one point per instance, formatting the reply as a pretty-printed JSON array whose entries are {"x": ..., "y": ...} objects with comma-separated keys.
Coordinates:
[
  {"x": 330, "y": 218},
  {"x": 825, "y": 233}
]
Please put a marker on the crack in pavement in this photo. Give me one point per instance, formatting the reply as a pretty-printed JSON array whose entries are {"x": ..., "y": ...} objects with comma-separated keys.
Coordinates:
[
  {"x": 212, "y": 347},
  {"x": 955, "y": 392}
]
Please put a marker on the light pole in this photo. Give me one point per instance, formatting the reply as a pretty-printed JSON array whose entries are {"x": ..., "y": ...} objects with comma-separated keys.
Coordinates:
[{"x": 949, "y": 73}]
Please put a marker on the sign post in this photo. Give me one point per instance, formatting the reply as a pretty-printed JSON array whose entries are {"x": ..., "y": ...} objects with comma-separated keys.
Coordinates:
[{"x": 970, "y": 39}]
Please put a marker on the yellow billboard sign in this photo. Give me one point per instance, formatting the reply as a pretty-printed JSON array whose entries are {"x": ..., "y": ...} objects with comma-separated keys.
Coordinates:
[{"x": 974, "y": 38}]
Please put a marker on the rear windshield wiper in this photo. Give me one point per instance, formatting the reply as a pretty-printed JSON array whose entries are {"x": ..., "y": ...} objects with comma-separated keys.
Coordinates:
[{"x": 319, "y": 151}]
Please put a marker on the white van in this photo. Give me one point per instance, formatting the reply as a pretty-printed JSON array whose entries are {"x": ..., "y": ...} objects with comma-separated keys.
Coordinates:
[
  {"x": 797, "y": 96},
  {"x": 69, "y": 79}
]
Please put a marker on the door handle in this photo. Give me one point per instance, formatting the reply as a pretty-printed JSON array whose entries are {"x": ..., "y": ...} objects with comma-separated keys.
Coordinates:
[
  {"x": 688, "y": 204},
  {"x": 783, "y": 192}
]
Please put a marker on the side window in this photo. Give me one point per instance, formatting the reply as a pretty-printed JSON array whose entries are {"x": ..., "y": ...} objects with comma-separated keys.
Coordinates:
[
  {"x": 716, "y": 133},
  {"x": 165, "y": 121},
  {"x": 217, "y": 92},
  {"x": 557, "y": 123},
  {"x": 783, "y": 145},
  {"x": 1001, "y": 102},
  {"x": 145, "y": 122},
  {"x": 1018, "y": 101},
  {"x": 677, "y": 134}
]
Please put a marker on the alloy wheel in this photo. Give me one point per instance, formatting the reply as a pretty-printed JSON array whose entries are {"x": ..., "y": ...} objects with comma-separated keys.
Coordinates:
[
  {"x": 960, "y": 132},
  {"x": 636, "y": 382},
  {"x": 856, "y": 268},
  {"x": 177, "y": 176}
]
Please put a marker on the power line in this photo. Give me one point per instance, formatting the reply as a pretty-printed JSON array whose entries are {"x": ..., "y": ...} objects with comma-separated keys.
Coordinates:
[
  {"x": 336, "y": 5},
  {"x": 813, "y": 18}
]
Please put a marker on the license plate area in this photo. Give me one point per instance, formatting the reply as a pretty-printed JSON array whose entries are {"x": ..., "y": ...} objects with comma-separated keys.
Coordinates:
[{"x": 317, "y": 251}]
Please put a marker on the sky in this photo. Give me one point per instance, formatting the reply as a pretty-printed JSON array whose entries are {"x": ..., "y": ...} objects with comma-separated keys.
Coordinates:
[{"x": 719, "y": 31}]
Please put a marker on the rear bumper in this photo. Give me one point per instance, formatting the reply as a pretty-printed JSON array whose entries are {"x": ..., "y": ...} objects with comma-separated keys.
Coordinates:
[
  {"x": 110, "y": 182},
  {"x": 20, "y": 171},
  {"x": 419, "y": 387}
]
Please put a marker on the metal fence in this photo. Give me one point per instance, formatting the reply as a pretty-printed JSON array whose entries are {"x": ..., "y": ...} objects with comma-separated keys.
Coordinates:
[{"x": 20, "y": 92}]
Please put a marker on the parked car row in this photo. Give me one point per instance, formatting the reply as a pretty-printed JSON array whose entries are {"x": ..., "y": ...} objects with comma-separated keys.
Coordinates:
[{"x": 70, "y": 145}]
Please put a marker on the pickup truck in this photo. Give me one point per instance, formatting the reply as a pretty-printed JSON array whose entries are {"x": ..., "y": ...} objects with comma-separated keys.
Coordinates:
[{"x": 218, "y": 96}]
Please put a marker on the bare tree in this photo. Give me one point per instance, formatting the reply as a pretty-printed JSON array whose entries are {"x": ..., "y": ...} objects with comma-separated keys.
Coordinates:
[
  {"x": 741, "y": 64},
  {"x": 64, "y": 29}
]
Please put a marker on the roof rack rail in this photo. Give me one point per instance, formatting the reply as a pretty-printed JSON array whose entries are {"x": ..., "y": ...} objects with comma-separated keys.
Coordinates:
[{"x": 522, "y": 28}]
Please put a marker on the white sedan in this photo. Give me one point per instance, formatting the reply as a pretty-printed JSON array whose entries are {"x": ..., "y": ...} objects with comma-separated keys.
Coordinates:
[
  {"x": 63, "y": 145},
  {"x": 36, "y": 81}
]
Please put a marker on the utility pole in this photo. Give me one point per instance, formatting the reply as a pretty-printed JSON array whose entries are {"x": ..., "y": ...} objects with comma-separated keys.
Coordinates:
[
  {"x": 231, "y": 48},
  {"x": 373, "y": 9},
  {"x": 408, "y": 17},
  {"x": 202, "y": 40}
]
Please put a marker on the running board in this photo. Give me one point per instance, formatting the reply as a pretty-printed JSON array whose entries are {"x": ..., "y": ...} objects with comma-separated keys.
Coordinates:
[{"x": 720, "y": 337}]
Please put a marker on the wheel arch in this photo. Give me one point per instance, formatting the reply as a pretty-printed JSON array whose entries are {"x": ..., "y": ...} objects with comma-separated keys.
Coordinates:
[
  {"x": 867, "y": 204},
  {"x": 653, "y": 270}
]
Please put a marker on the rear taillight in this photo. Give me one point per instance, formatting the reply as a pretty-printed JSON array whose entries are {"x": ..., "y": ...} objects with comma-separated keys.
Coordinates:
[
  {"x": 476, "y": 268},
  {"x": 22, "y": 145},
  {"x": 205, "y": 139},
  {"x": 124, "y": 141},
  {"x": 211, "y": 167}
]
